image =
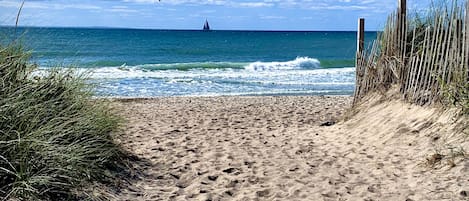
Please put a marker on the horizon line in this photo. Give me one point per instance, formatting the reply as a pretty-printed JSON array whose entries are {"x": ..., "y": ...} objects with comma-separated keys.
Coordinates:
[{"x": 166, "y": 29}]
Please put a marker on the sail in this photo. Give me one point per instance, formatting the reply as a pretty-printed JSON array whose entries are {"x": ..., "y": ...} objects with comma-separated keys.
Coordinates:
[{"x": 206, "y": 26}]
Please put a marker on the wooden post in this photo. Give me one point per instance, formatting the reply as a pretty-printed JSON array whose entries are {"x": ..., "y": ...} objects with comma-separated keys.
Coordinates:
[
  {"x": 401, "y": 40},
  {"x": 359, "y": 64},
  {"x": 459, "y": 33},
  {"x": 403, "y": 9},
  {"x": 361, "y": 35},
  {"x": 402, "y": 24},
  {"x": 466, "y": 41}
]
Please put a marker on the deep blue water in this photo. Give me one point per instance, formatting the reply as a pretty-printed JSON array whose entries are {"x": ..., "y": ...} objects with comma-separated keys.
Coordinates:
[{"x": 132, "y": 62}]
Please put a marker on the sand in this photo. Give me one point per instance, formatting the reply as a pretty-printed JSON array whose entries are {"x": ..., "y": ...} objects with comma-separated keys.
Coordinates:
[{"x": 288, "y": 148}]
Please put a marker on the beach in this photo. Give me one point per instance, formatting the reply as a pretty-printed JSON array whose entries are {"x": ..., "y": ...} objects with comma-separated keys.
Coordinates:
[
  {"x": 285, "y": 148},
  {"x": 134, "y": 100}
]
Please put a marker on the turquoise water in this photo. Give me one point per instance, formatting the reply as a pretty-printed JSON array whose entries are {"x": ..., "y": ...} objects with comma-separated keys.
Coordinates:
[{"x": 147, "y": 63}]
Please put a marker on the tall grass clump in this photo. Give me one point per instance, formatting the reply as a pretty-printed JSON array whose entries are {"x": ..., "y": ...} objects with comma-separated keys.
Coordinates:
[
  {"x": 54, "y": 138},
  {"x": 426, "y": 55},
  {"x": 456, "y": 93}
]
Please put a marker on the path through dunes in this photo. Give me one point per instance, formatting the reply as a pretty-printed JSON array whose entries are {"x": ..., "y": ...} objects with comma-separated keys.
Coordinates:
[{"x": 273, "y": 148}]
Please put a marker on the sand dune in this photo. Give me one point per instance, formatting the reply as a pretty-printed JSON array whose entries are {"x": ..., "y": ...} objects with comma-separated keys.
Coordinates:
[{"x": 274, "y": 148}]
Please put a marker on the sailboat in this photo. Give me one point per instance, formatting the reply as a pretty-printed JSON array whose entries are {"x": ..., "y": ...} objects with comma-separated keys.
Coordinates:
[{"x": 206, "y": 26}]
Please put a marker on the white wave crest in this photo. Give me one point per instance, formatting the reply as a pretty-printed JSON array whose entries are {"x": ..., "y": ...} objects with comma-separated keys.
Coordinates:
[{"x": 298, "y": 63}]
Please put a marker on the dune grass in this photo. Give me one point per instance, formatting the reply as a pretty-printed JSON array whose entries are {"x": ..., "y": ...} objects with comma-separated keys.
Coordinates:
[
  {"x": 427, "y": 58},
  {"x": 54, "y": 138}
]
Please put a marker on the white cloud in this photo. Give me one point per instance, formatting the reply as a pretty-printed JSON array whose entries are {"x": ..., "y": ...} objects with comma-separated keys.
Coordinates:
[
  {"x": 74, "y": 6},
  {"x": 232, "y": 11},
  {"x": 295, "y": 4},
  {"x": 48, "y": 5},
  {"x": 179, "y": 2},
  {"x": 299, "y": 4},
  {"x": 231, "y": 3},
  {"x": 272, "y": 17},
  {"x": 120, "y": 7},
  {"x": 256, "y": 4},
  {"x": 122, "y": 10},
  {"x": 337, "y": 7}
]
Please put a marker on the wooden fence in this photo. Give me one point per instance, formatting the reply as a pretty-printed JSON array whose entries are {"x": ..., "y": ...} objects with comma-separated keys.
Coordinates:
[{"x": 422, "y": 57}]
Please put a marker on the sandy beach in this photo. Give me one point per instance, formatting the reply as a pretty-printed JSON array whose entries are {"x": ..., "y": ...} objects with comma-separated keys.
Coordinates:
[{"x": 287, "y": 148}]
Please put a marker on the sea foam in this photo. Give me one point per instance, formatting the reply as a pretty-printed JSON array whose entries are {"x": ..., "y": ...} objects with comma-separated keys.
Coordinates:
[{"x": 298, "y": 63}]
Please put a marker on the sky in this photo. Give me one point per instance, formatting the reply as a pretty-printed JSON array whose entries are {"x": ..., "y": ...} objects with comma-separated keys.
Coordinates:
[{"x": 310, "y": 15}]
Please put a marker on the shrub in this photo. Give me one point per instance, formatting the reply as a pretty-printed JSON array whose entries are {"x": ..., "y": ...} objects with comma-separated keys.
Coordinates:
[{"x": 54, "y": 137}]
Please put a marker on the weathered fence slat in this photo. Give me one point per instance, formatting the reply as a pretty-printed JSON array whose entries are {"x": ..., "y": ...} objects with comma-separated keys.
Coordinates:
[{"x": 422, "y": 59}]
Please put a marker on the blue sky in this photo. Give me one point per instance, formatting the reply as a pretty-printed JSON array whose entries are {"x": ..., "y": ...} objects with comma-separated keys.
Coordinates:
[{"x": 191, "y": 14}]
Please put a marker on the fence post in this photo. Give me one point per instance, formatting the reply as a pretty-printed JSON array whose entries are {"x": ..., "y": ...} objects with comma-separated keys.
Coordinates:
[
  {"x": 359, "y": 60},
  {"x": 401, "y": 27},
  {"x": 402, "y": 42},
  {"x": 361, "y": 35}
]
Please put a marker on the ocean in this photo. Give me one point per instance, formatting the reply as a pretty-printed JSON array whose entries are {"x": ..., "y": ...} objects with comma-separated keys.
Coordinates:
[{"x": 155, "y": 63}]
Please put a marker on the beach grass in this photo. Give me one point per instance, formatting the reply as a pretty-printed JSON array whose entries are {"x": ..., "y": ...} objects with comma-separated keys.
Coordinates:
[
  {"x": 456, "y": 93},
  {"x": 54, "y": 138},
  {"x": 424, "y": 54},
  {"x": 422, "y": 58}
]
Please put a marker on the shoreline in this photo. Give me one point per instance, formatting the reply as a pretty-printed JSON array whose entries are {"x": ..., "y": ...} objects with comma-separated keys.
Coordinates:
[{"x": 130, "y": 98}]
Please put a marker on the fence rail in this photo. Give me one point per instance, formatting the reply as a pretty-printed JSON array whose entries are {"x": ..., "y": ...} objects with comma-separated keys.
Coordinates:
[{"x": 420, "y": 58}]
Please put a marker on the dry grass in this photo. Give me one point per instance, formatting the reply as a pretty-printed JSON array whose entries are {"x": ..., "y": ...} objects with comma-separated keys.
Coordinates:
[
  {"x": 53, "y": 139},
  {"x": 428, "y": 62}
]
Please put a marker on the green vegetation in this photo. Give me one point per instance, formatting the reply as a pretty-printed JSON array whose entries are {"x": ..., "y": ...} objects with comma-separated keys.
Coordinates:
[
  {"x": 456, "y": 93},
  {"x": 424, "y": 59},
  {"x": 424, "y": 54},
  {"x": 446, "y": 25},
  {"x": 54, "y": 138}
]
